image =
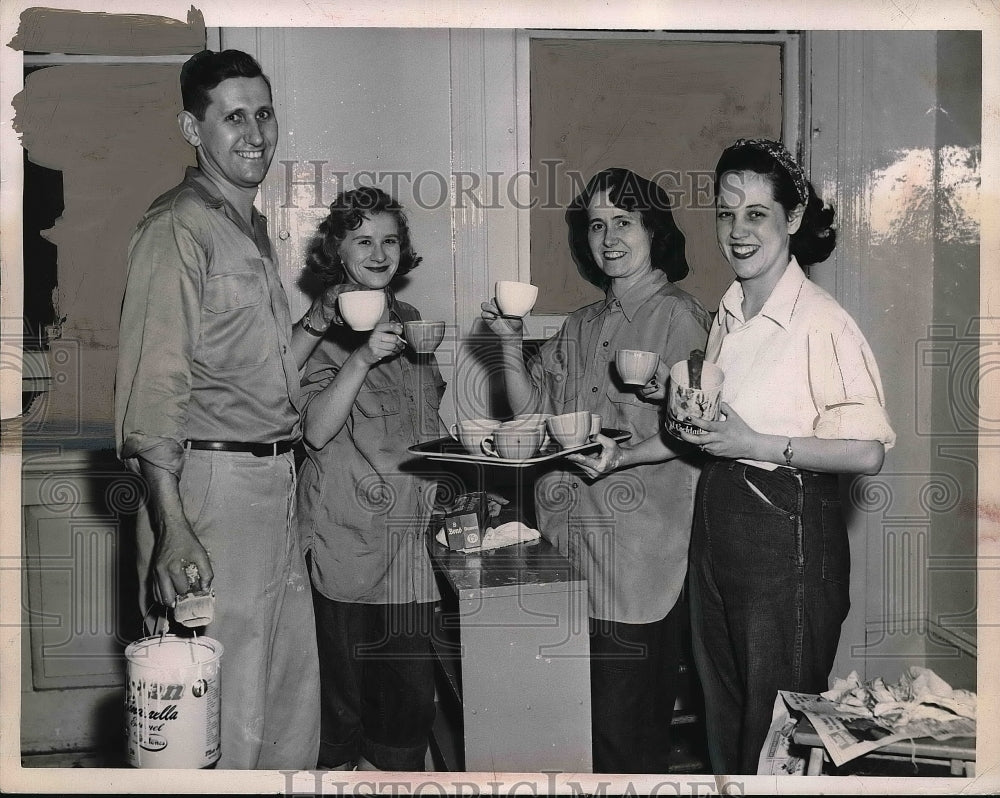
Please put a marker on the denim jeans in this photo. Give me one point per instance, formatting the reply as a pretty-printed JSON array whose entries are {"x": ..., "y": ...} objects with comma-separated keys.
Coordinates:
[
  {"x": 770, "y": 565},
  {"x": 377, "y": 680},
  {"x": 633, "y": 683}
]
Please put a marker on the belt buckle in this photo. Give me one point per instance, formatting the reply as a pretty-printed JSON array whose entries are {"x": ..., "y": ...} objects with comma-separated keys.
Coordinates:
[{"x": 274, "y": 449}]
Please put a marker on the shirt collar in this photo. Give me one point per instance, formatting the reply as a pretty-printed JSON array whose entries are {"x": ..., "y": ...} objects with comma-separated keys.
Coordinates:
[
  {"x": 779, "y": 306},
  {"x": 634, "y": 298},
  {"x": 209, "y": 193},
  {"x": 393, "y": 305},
  {"x": 204, "y": 187}
]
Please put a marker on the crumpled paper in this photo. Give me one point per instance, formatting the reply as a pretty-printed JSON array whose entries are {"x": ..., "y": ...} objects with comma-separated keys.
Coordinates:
[
  {"x": 920, "y": 694},
  {"x": 504, "y": 535}
]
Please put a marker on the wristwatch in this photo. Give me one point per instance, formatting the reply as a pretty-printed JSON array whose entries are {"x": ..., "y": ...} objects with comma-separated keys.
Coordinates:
[
  {"x": 788, "y": 453},
  {"x": 306, "y": 325}
]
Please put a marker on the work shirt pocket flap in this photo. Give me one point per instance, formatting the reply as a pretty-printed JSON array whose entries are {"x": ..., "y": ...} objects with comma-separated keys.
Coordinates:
[
  {"x": 434, "y": 392},
  {"x": 225, "y": 292},
  {"x": 376, "y": 402},
  {"x": 631, "y": 400},
  {"x": 558, "y": 379}
]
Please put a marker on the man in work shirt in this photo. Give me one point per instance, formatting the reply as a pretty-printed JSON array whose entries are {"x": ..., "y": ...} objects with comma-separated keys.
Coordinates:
[{"x": 206, "y": 408}]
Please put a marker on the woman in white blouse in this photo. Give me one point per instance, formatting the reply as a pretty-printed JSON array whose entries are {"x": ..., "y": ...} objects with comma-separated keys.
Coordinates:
[{"x": 802, "y": 402}]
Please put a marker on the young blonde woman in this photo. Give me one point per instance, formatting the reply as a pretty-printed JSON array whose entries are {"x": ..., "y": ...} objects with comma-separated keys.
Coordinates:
[{"x": 362, "y": 513}]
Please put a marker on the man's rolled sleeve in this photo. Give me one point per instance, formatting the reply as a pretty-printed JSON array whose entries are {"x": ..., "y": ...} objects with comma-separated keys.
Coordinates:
[
  {"x": 160, "y": 452},
  {"x": 160, "y": 323}
]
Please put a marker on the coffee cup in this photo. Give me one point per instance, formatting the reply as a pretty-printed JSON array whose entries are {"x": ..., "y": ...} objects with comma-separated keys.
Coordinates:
[
  {"x": 423, "y": 336},
  {"x": 685, "y": 402},
  {"x": 636, "y": 366},
  {"x": 513, "y": 441},
  {"x": 514, "y": 298},
  {"x": 538, "y": 420},
  {"x": 362, "y": 309},
  {"x": 574, "y": 429},
  {"x": 471, "y": 432}
]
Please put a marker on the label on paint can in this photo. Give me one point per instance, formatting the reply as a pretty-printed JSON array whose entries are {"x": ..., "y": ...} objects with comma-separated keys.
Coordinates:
[{"x": 172, "y": 702}]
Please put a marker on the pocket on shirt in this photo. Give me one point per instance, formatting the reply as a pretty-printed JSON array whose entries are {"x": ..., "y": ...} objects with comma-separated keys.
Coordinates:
[
  {"x": 429, "y": 415},
  {"x": 434, "y": 391},
  {"x": 377, "y": 402},
  {"x": 236, "y": 333},
  {"x": 558, "y": 390},
  {"x": 632, "y": 412},
  {"x": 225, "y": 292}
]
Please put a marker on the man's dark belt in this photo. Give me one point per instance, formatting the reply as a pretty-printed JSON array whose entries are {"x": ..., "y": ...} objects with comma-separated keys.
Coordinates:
[{"x": 256, "y": 449}]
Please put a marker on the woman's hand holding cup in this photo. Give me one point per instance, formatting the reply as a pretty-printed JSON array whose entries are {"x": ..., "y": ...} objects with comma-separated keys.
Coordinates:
[
  {"x": 655, "y": 389},
  {"x": 362, "y": 308},
  {"x": 515, "y": 299},
  {"x": 728, "y": 436},
  {"x": 504, "y": 312},
  {"x": 386, "y": 340},
  {"x": 503, "y": 327}
]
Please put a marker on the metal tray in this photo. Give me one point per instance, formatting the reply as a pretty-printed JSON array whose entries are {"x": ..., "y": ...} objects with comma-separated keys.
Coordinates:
[{"x": 450, "y": 450}]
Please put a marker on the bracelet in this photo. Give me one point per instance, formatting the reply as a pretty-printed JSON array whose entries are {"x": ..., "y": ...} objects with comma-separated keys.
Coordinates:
[
  {"x": 788, "y": 453},
  {"x": 306, "y": 325}
]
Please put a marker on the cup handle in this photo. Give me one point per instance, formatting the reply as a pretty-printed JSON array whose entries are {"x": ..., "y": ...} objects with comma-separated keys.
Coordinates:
[
  {"x": 453, "y": 431},
  {"x": 488, "y": 447},
  {"x": 595, "y": 426}
]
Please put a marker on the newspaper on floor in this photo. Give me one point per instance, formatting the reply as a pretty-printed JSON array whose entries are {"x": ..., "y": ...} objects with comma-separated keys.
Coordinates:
[
  {"x": 853, "y": 717},
  {"x": 776, "y": 758}
]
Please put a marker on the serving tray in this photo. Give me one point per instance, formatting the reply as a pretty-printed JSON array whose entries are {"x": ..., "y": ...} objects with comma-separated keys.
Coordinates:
[{"x": 450, "y": 450}]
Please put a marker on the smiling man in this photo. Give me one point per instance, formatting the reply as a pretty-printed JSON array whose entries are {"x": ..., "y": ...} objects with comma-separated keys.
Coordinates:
[{"x": 207, "y": 410}]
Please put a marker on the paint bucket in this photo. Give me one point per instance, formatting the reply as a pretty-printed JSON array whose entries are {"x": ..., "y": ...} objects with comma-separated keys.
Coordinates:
[{"x": 172, "y": 701}]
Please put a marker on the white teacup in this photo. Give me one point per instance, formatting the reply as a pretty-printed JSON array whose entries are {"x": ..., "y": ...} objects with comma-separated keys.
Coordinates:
[
  {"x": 472, "y": 431},
  {"x": 574, "y": 429},
  {"x": 538, "y": 420},
  {"x": 636, "y": 366},
  {"x": 513, "y": 441},
  {"x": 685, "y": 402},
  {"x": 515, "y": 299},
  {"x": 362, "y": 309},
  {"x": 423, "y": 336}
]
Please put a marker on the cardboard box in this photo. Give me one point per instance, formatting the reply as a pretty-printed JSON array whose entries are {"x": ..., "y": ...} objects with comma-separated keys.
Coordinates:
[{"x": 465, "y": 521}]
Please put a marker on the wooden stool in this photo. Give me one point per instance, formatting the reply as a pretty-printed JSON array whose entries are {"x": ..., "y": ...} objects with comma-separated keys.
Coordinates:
[{"x": 959, "y": 753}]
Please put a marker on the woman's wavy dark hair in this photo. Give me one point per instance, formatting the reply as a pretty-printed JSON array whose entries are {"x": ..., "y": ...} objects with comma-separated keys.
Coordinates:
[
  {"x": 635, "y": 194},
  {"x": 816, "y": 237},
  {"x": 347, "y": 212}
]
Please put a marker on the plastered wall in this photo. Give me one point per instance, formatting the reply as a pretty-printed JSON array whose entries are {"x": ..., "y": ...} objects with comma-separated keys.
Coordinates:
[
  {"x": 110, "y": 130},
  {"x": 895, "y": 144}
]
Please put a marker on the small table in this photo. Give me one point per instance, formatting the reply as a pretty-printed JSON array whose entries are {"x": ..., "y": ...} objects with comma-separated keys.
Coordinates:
[
  {"x": 523, "y": 675},
  {"x": 958, "y": 752}
]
